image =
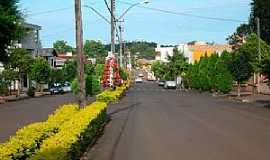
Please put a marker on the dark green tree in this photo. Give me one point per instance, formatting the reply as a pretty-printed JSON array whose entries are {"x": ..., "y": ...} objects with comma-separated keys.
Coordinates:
[
  {"x": 260, "y": 9},
  {"x": 70, "y": 70},
  {"x": 40, "y": 72},
  {"x": 21, "y": 60},
  {"x": 11, "y": 20},
  {"x": 57, "y": 76},
  {"x": 62, "y": 46},
  {"x": 238, "y": 38},
  {"x": 159, "y": 69},
  {"x": 240, "y": 68},
  {"x": 95, "y": 49}
]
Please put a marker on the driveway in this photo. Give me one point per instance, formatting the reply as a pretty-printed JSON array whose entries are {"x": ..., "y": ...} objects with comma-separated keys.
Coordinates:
[{"x": 151, "y": 123}]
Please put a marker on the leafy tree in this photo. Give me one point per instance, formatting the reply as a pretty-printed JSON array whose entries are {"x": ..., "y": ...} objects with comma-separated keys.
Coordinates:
[
  {"x": 70, "y": 70},
  {"x": 177, "y": 65},
  {"x": 95, "y": 49},
  {"x": 62, "y": 46},
  {"x": 9, "y": 75},
  {"x": 240, "y": 68},
  {"x": 238, "y": 38},
  {"x": 145, "y": 49},
  {"x": 159, "y": 69},
  {"x": 10, "y": 26},
  {"x": 21, "y": 60},
  {"x": 250, "y": 48},
  {"x": 260, "y": 8},
  {"x": 40, "y": 72},
  {"x": 57, "y": 76}
]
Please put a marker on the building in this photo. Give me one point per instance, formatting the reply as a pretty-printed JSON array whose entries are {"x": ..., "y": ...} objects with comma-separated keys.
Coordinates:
[
  {"x": 50, "y": 55},
  {"x": 162, "y": 53},
  {"x": 197, "y": 51},
  {"x": 31, "y": 41},
  {"x": 193, "y": 52},
  {"x": 62, "y": 58}
]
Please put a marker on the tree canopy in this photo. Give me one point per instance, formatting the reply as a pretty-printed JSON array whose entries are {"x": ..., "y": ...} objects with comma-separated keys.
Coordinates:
[
  {"x": 95, "y": 49},
  {"x": 62, "y": 46},
  {"x": 11, "y": 20},
  {"x": 260, "y": 9}
]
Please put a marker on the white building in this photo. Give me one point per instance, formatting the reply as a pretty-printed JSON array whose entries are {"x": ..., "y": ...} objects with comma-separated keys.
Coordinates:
[{"x": 162, "y": 53}]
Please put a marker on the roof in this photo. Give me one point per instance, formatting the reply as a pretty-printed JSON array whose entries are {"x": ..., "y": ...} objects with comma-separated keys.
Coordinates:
[
  {"x": 210, "y": 48},
  {"x": 48, "y": 52},
  {"x": 31, "y": 26}
]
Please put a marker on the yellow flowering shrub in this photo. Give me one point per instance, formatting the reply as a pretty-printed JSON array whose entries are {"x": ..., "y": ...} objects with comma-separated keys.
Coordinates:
[
  {"x": 74, "y": 135},
  {"x": 111, "y": 95},
  {"x": 28, "y": 139}
]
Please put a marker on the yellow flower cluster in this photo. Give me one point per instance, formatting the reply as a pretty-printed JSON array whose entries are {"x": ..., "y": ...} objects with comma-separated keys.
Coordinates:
[
  {"x": 111, "y": 95},
  {"x": 28, "y": 139},
  {"x": 74, "y": 135}
]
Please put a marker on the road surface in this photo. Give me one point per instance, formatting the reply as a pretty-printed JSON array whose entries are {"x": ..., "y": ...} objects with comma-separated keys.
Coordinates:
[
  {"x": 14, "y": 115},
  {"x": 151, "y": 123}
]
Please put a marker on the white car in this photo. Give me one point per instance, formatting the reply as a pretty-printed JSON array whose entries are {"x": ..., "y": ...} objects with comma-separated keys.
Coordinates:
[
  {"x": 67, "y": 87},
  {"x": 170, "y": 85},
  {"x": 138, "y": 80}
]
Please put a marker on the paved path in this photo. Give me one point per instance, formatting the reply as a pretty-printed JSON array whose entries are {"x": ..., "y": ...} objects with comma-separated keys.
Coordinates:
[
  {"x": 14, "y": 115},
  {"x": 156, "y": 124}
]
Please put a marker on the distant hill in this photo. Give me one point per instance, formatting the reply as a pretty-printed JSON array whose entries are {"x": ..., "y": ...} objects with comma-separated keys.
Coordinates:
[{"x": 145, "y": 49}]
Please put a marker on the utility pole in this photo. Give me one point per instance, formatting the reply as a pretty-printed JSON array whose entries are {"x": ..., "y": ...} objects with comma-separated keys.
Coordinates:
[
  {"x": 80, "y": 55},
  {"x": 112, "y": 27},
  {"x": 121, "y": 45},
  {"x": 259, "y": 51}
]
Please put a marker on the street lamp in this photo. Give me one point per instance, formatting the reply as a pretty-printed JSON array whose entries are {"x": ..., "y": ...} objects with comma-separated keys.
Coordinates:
[
  {"x": 132, "y": 6},
  {"x": 120, "y": 19}
]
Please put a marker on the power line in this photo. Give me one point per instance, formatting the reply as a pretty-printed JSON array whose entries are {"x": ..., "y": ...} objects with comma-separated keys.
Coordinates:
[
  {"x": 186, "y": 14},
  {"x": 49, "y": 11}
]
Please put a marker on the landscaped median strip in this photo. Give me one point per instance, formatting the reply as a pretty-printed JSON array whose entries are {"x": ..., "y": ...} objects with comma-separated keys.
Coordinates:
[
  {"x": 74, "y": 135},
  {"x": 65, "y": 135}
]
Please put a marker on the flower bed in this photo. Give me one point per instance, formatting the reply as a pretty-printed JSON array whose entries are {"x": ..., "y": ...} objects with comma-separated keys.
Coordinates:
[
  {"x": 74, "y": 135},
  {"x": 28, "y": 139},
  {"x": 111, "y": 95}
]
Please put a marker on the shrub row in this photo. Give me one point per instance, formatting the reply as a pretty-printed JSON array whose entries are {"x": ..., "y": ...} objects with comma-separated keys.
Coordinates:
[
  {"x": 74, "y": 135},
  {"x": 210, "y": 74},
  {"x": 64, "y": 135},
  {"x": 28, "y": 139},
  {"x": 111, "y": 95}
]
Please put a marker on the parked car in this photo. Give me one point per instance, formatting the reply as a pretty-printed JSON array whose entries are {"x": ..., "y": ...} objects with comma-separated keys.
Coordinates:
[
  {"x": 138, "y": 80},
  {"x": 66, "y": 87},
  {"x": 56, "y": 89},
  {"x": 161, "y": 82},
  {"x": 141, "y": 75},
  {"x": 170, "y": 85}
]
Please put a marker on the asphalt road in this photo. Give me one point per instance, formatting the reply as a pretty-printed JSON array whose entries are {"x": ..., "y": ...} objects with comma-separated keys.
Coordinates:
[
  {"x": 151, "y": 123},
  {"x": 14, "y": 115}
]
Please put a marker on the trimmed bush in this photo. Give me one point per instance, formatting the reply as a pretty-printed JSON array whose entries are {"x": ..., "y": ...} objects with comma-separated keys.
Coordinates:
[
  {"x": 74, "y": 135},
  {"x": 28, "y": 139},
  {"x": 111, "y": 95}
]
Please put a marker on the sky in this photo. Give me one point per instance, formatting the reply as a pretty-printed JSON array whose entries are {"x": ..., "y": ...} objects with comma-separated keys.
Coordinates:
[{"x": 56, "y": 17}]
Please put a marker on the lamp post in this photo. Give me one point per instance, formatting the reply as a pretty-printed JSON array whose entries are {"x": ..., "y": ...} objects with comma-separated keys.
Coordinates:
[{"x": 120, "y": 20}]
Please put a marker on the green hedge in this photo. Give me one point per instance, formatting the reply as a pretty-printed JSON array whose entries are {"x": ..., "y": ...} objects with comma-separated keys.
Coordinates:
[
  {"x": 28, "y": 139},
  {"x": 74, "y": 135}
]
